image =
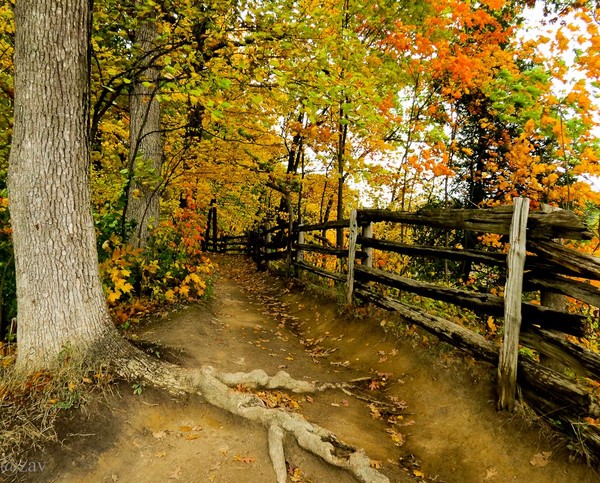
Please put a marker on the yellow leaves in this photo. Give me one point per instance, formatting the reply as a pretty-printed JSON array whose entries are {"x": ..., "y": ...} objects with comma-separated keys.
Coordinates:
[
  {"x": 562, "y": 41},
  {"x": 123, "y": 286},
  {"x": 295, "y": 474},
  {"x": 491, "y": 240},
  {"x": 529, "y": 127},
  {"x": 120, "y": 284},
  {"x": 151, "y": 267},
  {"x": 397, "y": 437}
]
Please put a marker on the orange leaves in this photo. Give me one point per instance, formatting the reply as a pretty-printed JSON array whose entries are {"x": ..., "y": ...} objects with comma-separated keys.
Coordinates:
[
  {"x": 244, "y": 459},
  {"x": 278, "y": 399},
  {"x": 494, "y": 4},
  {"x": 171, "y": 268}
]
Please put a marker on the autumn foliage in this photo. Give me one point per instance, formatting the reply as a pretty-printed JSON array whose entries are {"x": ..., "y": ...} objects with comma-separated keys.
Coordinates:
[{"x": 321, "y": 107}]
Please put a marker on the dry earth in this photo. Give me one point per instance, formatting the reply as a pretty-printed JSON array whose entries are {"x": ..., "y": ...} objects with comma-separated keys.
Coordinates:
[{"x": 449, "y": 430}]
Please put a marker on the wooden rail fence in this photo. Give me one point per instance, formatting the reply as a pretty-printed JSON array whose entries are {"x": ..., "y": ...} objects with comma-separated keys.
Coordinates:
[{"x": 556, "y": 386}]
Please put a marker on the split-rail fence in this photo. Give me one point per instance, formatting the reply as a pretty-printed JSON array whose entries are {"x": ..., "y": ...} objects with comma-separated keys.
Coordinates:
[{"x": 562, "y": 385}]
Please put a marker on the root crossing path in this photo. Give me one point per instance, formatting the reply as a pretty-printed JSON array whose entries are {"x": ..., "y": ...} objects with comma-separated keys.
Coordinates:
[{"x": 415, "y": 412}]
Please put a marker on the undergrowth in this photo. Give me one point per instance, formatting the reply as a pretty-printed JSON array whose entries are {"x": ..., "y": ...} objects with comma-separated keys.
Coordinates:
[{"x": 30, "y": 406}]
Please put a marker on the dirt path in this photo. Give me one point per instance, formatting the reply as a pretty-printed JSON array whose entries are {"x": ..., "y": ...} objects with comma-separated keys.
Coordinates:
[{"x": 448, "y": 432}]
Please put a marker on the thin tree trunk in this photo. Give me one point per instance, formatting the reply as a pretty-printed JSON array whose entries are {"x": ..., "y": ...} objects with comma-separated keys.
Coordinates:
[
  {"x": 146, "y": 149},
  {"x": 60, "y": 300}
]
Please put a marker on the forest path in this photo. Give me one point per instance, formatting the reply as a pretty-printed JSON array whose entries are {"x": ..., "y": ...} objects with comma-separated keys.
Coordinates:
[{"x": 448, "y": 432}]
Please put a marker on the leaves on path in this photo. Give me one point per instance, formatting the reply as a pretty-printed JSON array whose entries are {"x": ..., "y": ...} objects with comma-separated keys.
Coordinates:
[
  {"x": 294, "y": 473},
  {"x": 491, "y": 473},
  {"x": 244, "y": 459},
  {"x": 541, "y": 459},
  {"x": 397, "y": 437},
  {"x": 273, "y": 399},
  {"x": 176, "y": 475}
]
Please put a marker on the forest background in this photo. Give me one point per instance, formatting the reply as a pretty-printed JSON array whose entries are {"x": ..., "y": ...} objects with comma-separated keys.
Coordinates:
[{"x": 315, "y": 108}]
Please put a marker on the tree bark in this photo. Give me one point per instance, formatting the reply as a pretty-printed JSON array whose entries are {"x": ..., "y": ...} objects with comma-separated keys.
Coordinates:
[
  {"x": 60, "y": 300},
  {"x": 146, "y": 149}
]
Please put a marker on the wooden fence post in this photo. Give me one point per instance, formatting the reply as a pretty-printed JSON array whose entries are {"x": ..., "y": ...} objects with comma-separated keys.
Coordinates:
[
  {"x": 299, "y": 252},
  {"x": 206, "y": 241},
  {"x": 367, "y": 232},
  {"x": 509, "y": 353},
  {"x": 351, "y": 255},
  {"x": 214, "y": 228},
  {"x": 268, "y": 239}
]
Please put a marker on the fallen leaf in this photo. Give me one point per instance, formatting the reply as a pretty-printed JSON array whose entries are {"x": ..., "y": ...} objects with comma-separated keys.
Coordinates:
[
  {"x": 490, "y": 474},
  {"x": 295, "y": 474},
  {"x": 541, "y": 459},
  {"x": 192, "y": 436},
  {"x": 374, "y": 411},
  {"x": 374, "y": 385},
  {"x": 376, "y": 464},
  {"x": 335, "y": 405},
  {"x": 176, "y": 475},
  {"x": 244, "y": 459},
  {"x": 397, "y": 438},
  {"x": 345, "y": 402},
  {"x": 418, "y": 473},
  {"x": 185, "y": 429},
  {"x": 382, "y": 359},
  {"x": 309, "y": 399}
]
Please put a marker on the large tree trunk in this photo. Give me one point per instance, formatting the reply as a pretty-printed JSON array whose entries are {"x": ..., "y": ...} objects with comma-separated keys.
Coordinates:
[
  {"x": 146, "y": 150},
  {"x": 60, "y": 299}
]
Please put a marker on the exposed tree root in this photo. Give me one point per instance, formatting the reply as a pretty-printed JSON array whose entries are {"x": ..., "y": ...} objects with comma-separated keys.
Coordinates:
[
  {"x": 282, "y": 380},
  {"x": 216, "y": 388},
  {"x": 309, "y": 436}
]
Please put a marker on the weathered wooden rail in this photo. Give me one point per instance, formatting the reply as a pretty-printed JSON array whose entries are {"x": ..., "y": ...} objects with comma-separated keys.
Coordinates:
[{"x": 535, "y": 261}]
